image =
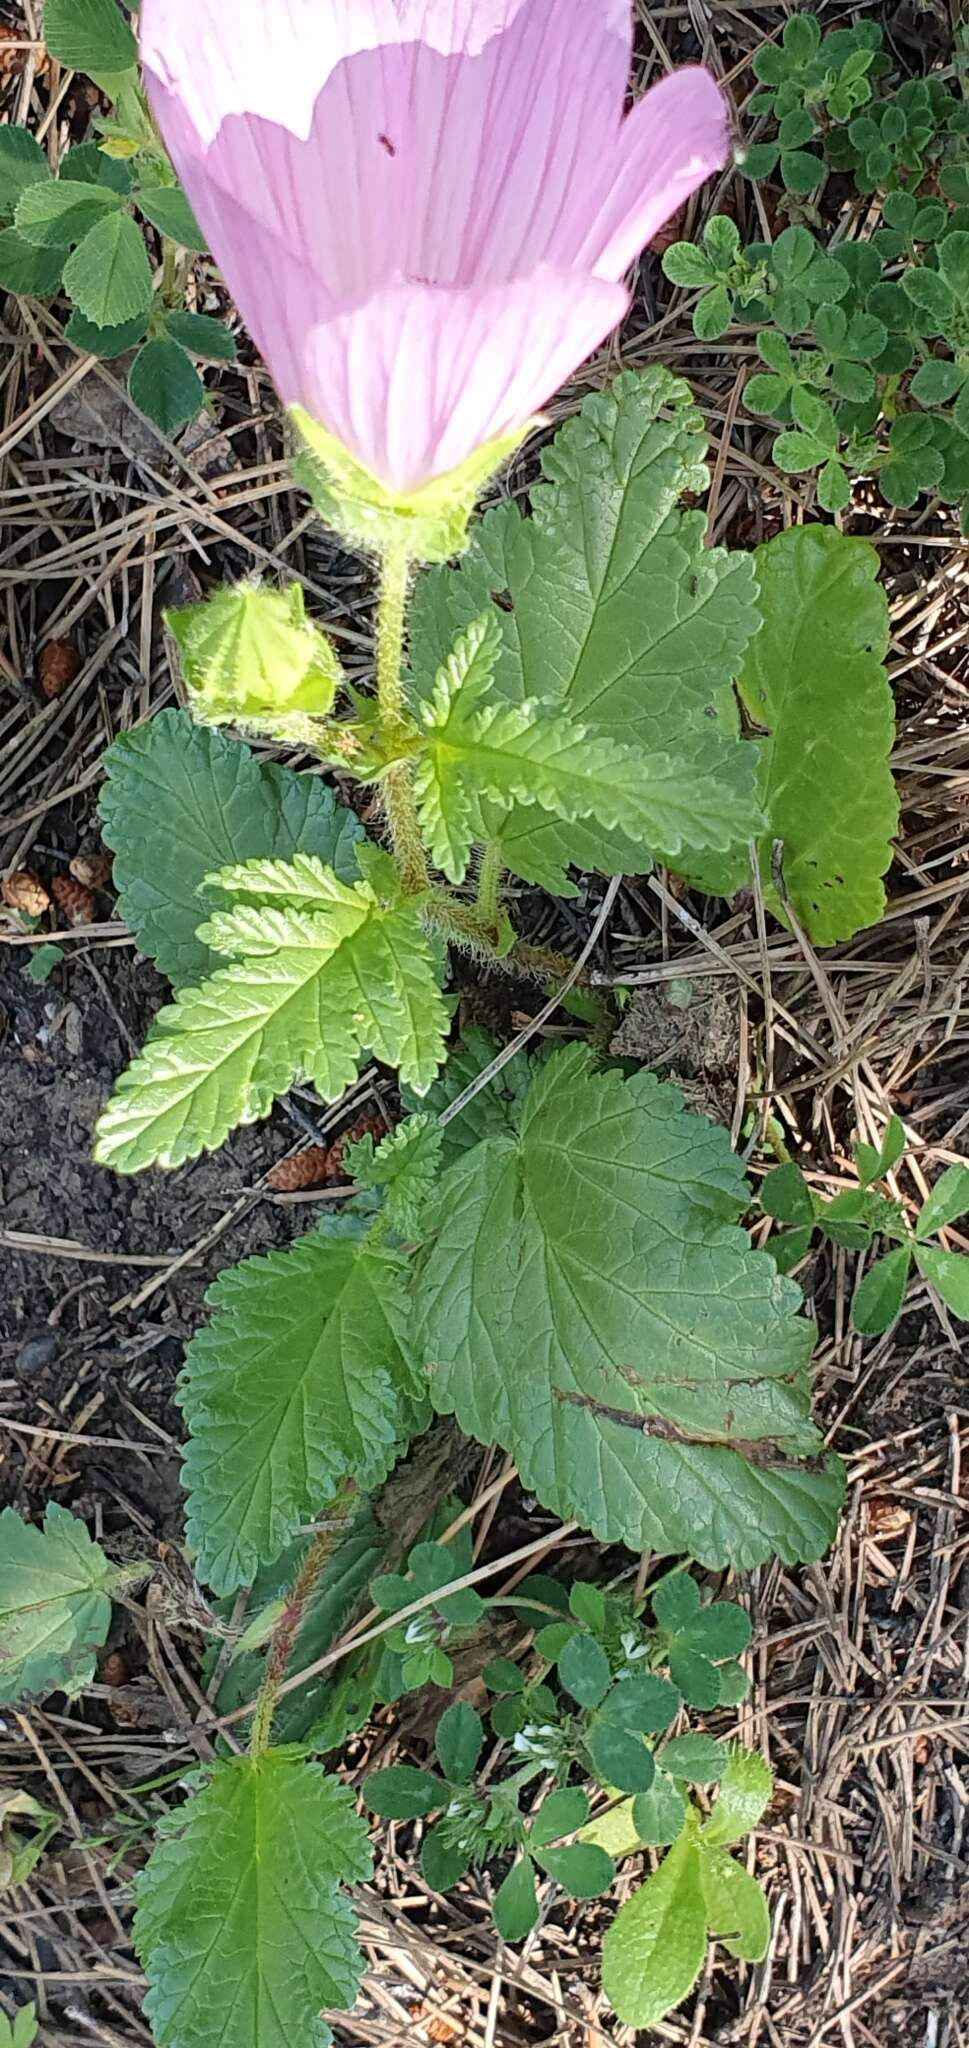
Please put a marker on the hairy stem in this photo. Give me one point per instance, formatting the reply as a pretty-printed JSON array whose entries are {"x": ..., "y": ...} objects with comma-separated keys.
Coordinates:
[
  {"x": 287, "y": 1629},
  {"x": 398, "y": 786},
  {"x": 540, "y": 963},
  {"x": 489, "y": 883}
]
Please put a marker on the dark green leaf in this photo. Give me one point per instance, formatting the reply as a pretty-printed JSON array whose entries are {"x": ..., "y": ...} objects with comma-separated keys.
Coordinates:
[
  {"x": 583, "y": 1669},
  {"x": 202, "y": 336},
  {"x": 165, "y": 384},
  {"x": 675, "y": 1600},
  {"x": 699, "y": 1758},
  {"x": 788, "y": 1247},
  {"x": 948, "y": 1273},
  {"x": 57, "y": 213},
  {"x": 720, "y": 1630},
  {"x": 560, "y": 1814},
  {"x": 879, "y": 1298},
  {"x": 105, "y": 341},
  {"x": 501, "y": 1675},
  {"x": 785, "y": 1195},
  {"x": 582, "y": 1870},
  {"x": 516, "y": 1903},
  {"x": 403, "y": 1792},
  {"x": 458, "y": 1741},
  {"x": 168, "y": 210},
  {"x": 645, "y": 1704},
  {"x": 22, "y": 164},
  {"x": 441, "y": 1863},
  {"x": 713, "y": 314},
  {"x": 621, "y": 1761},
  {"x": 659, "y": 1814},
  {"x": 948, "y": 1201},
  {"x": 695, "y": 1677},
  {"x": 89, "y": 35},
  {"x": 801, "y": 170},
  {"x": 734, "y": 1684},
  {"x": 34, "y": 273}
]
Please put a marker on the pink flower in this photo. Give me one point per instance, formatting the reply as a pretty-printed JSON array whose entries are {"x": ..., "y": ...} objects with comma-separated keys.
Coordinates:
[{"x": 424, "y": 208}]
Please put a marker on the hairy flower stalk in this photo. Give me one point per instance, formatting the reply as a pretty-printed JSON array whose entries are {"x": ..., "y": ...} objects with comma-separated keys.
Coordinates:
[{"x": 286, "y": 1633}]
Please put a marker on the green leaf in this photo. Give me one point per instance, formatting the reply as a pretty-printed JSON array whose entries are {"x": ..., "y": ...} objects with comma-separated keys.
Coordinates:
[
  {"x": 621, "y": 1761},
  {"x": 516, "y": 1902},
  {"x": 688, "y": 266},
  {"x": 615, "y": 611},
  {"x": 501, "y": 1675},
  {"x": 583, "y": 1669},
  {"x": 699, "y": 1758},
  {"x": 694, "y": 1676},
  {"x": 165, "y": 384},
  {"x": 105, "y": 341},
  {"x": 33, "y": 273},
  {"x": 405, "y": 1166},
  {"x": 108, "y": 275},
  {"x": 873, "y": 1162},
  {"x": 560, "y": 1814},
  {"x": 42, "y": 963},
  {"x": 647, "y": 1336},
  {"x": 168, "y": 210},
  {"x": 442, "y": 1864},
  {"x": 92, "y": 166},
  {"x": 713, "y": 314},
  {"x": 801, "y": 170},
  {"x": 785, "y": 1195},
  {"x": 301, "y": 1381},
  {"x": 55, "y": 1604},
  {"x": 457, "y": 1740},
  {"x": 202, "y": 336},
  {"x": 720, "y": 1630},
  {"x": 758, "y": 159},
  {"x": 240, "y": 1926},
  {"x": 815, "y": 677},
  {"x": 878, "y": 1300},
  {"x": 788, "y": 1247},
  {"x": 931, "y": 297},
  {"x": 796, "y": 453},
  {"x": 734, "y": 1684},
  {"x": 22, "y": 2033},
  {"x": 645, "y": 1704},
  {"x": 737, "y": 1912},
  {"x": 582, "y": 1869},
  {"x": 89, "y": 35},
  {"x": 745, "y": 1790},
  {"x": 659, "y": 1814},
  {"x": 22, "y": 164},
  {"x": 935, "y": 382},
  {"x": 653, "y": 1952},
  {"x": 477, "y": 757},
  {"x": 948, "y": 1273},
  {"x": 180, "y": 802},
  {"x": 492, "y": 1111},
  {"x": 675, "y": 1599},
  {"x": 251, "y": 655},
  {"x": 318, "y": 974},
  {"x": 948, "y": 1201},
  {"x": 403, "y": 1792},
  {"x": 58, "y": 212}
]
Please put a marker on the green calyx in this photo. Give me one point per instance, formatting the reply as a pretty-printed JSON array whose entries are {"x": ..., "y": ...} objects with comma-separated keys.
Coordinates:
[
  {"x": 428, "y": 525},
  {"x": 250, "y": 656}
]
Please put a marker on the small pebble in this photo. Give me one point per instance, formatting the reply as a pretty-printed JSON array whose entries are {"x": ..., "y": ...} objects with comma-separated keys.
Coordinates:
[{"x": 37, "y": 1353}]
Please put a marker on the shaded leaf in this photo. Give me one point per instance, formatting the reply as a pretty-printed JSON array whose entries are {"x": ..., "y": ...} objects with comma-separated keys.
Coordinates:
[
  {"x": 516, "y": 1902},
  {"x": 457, "y": 1740},
  {"x": 165, "y": 384},
  {"x": 878, "y": 1299},
  {"x": 402, "y": 1792}
]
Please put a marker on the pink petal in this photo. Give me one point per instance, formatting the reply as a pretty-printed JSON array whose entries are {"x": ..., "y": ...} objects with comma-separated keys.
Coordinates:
[
  {"x": 675, "y": 136},
  {"x": 414, "y": 381}
]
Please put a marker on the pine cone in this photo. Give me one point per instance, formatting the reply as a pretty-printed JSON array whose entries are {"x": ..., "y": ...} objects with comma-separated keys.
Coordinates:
[
  {"x": 22, "y": 891},
  {"x": 372, "y": 1123},
  {"x": 92, "y": 868},
  {"x": 57, "y": 666},
  {"x": 308, "y": 1169},
  {"x": 76, "y": 904}
]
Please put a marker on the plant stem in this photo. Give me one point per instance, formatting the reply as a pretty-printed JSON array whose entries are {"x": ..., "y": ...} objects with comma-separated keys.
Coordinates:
[
  {"x": 169, "y": 260},
  {"x": 398, "y": 785},
  {"x": 489, "y": 880},
  {"x": 287, "y": 1629}
]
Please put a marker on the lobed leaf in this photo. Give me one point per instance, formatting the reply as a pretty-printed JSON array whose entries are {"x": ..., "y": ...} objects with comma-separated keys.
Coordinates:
[
  {"x": 301, "y": 1381},
  {"x": 815, "y": 677},
  {"x": 55, "y": 1604},
  {"x": 584, "y": 1301},
  {"x": 615, "y": 611},
  {"x": 180, "y": 802},
  {"x": 241, "y": 1926},
  {"x": 306, "y": 992}
]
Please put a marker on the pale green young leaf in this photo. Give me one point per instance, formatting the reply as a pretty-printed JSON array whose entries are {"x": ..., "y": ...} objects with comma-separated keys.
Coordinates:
[
  {"x": 948, "y": 1201},
  {"x": 301, "y": 1381},
  {"x": 108, "y": 275},
  {"x": 57, "y": 212},
  {"x": 55, "y": 1604},
  {"x": 613, "y": 609},
  {"x": 405, "y": 1165},
  {"x": 180, "y": 802},
  {"x": 653, "y": 1952},
  {"x": 744, "y": 1791},
  {"x": 815, "y": 677},
  {"x": 250, "y": 654},
  {"x": 443, "y": 802},
  {"x": 241, "y": 1926},
  {"x": 737, "y": 1913},
  {"x": 22, "y": 2032},
  {"x": 660, "y": 1389},
  {"x": 307, "y": 991},
  {"x": 89, "y": 35}
]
